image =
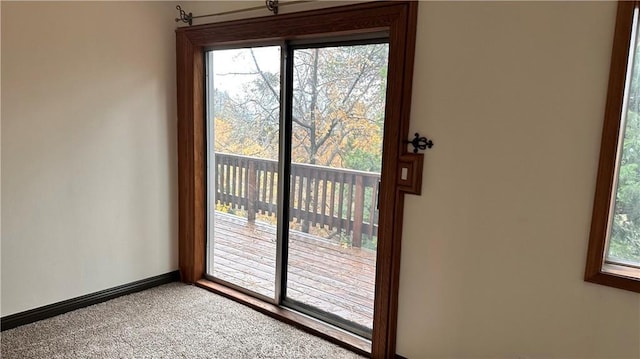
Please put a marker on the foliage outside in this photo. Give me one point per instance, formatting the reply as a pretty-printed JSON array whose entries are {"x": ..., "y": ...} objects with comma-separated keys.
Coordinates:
[
  {"x": 624, "y": 243},
  {"x": 338, "y": 111}
]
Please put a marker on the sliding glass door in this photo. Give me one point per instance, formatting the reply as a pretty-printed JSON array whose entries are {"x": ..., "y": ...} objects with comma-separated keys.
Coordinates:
[
  {"x": 338, "y": 103},
  {"x": 293, "y": 164},
  {"x": 243, "y": 117}
]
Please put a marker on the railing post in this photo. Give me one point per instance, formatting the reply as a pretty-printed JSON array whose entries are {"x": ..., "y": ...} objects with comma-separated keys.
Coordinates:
[
  {"x": 252, "y": 193},
  {"x": 359, "y": 211}
]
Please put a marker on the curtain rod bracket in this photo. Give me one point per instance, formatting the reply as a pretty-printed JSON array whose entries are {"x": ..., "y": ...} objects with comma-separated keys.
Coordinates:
[
  {"x": 183, "y": 16},
  {"x": 272, "y": 5}
]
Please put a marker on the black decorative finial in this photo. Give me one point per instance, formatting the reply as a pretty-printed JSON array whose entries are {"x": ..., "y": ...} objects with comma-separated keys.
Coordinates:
[
  {"x": 272, "y": 5},
  {"x": 420, "y": 143},
  {"x": 183, "y": 16}
]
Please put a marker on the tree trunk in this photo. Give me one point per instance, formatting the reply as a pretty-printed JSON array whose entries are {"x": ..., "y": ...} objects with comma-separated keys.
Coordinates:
[{"x": 313, "y": 145}]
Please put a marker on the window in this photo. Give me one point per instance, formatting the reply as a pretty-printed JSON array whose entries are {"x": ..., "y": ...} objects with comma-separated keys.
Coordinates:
[
  {"x": 614, "y": 246},
  {"x": 297, "y": 35}
]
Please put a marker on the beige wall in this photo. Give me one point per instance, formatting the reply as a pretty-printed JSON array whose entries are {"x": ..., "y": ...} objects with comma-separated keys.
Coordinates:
[
  {"x": 493, "y": 251},
  {"x": 89, "y": 158}
]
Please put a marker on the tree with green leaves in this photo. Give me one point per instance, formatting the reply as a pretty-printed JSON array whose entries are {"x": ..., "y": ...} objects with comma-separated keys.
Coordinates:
[{"x": 624, "y": 243}]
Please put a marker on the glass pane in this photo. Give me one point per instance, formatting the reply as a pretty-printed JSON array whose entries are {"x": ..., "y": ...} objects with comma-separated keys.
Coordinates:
[
  {"x": 624, "y": 240},
  {"x": 243, "y": 92},
  {"x": 338, "y": 118}
]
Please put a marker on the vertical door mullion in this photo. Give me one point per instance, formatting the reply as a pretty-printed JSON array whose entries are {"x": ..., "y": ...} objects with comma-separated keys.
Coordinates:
[{"x": 284, "y": 170}]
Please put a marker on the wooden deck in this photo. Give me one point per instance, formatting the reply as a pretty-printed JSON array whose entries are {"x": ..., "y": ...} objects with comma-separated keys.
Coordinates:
[{"x": 336, "y": 279}]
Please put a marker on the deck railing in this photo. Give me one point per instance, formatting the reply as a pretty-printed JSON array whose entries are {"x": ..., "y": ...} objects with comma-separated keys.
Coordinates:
[{"x": 340, "y": 200}]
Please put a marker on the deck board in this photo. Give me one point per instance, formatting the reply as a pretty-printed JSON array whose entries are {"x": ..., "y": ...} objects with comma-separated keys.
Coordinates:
[{"x": 334, "y": 278}]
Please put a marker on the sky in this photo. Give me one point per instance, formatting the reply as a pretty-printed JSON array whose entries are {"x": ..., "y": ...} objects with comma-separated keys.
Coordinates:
[{"x": 239, "y": 61}]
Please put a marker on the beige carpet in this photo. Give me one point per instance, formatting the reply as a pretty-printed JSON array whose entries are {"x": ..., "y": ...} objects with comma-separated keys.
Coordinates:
[{"x": 170, "y": 321}]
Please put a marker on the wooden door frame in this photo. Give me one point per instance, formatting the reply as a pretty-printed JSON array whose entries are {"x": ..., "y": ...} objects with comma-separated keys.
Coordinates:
[{"x": 399, "y": 18}]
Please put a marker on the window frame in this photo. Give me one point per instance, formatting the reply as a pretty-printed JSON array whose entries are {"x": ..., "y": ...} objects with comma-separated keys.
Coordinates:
[
  {"x": 597, "y": 269},
  {"x": 399, "y": 18}
]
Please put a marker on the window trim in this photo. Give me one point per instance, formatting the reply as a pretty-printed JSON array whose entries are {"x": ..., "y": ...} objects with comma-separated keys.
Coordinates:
[
  {"x": 399, "y": 18},
  {"x": 597, "y": 269}
]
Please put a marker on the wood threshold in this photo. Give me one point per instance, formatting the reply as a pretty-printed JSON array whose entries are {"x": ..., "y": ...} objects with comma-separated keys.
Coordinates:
[{"x": 325, "y": 331}]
